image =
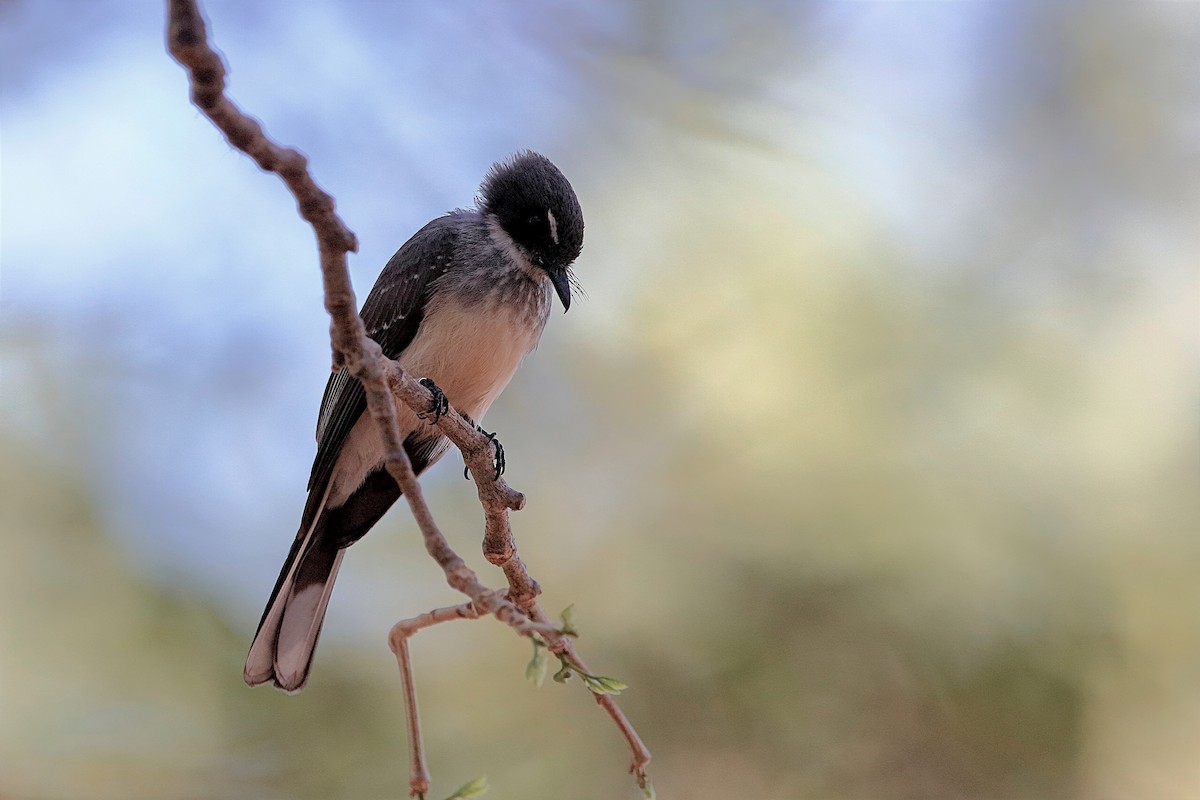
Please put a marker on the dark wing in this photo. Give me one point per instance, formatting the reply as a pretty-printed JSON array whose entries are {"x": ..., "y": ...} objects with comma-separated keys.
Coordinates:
[{"x": 392, "y": 314}]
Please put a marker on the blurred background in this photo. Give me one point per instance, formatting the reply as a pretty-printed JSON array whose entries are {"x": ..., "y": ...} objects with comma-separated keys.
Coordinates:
[{"x": 870, "y": 460}]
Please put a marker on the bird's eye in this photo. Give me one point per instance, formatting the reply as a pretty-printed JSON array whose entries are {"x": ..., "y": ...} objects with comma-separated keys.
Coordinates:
[{"x": 534, "y": 220}]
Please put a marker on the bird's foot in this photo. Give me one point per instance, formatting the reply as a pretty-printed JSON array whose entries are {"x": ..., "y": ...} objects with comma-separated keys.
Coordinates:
[
  {"x": 439, "y": 406},
  {"x": 497, "y": 461}
]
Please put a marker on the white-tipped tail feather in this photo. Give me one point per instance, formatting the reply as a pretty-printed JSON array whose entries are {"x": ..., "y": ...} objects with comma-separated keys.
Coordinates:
[
  {"x": 283, "y": 648},
  {"x": 300, "y": 628}
]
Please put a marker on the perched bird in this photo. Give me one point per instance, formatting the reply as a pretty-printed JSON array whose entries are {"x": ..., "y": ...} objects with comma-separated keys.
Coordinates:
[{"x": 460, "y": 304}]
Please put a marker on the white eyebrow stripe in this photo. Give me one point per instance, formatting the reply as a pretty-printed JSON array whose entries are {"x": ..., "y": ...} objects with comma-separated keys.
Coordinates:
[{"x": 553, "y": 225}]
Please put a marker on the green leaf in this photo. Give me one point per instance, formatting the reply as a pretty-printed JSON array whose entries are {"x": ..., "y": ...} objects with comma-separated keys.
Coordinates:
[
  {"x": 613, "y": 685},
  {"x": 568, "y": 621},
  {"x": 538, "y": 667},
  {"x": 602, "y": 685},
  {"x": 562, "y": 675},
  {"x": 646, "y": 787},
  {"x": 471, "y": 790}
]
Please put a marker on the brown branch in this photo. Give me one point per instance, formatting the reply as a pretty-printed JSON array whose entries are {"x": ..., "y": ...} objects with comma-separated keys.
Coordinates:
[
  {"x": 407, "y": 627},
  {"x": 383, "y": 381},
  {"x": 495, "y": 495},
  {"x": 418, "y": 773}
]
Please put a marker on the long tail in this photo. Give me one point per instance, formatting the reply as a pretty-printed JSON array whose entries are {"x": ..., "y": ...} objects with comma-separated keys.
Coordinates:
[
  {"x": 287, "y": 635},
  {"x": 282, "y": 650}
]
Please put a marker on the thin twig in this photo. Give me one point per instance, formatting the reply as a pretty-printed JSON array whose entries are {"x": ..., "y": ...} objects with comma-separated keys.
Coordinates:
[
  {"x": 418, "y": 782},
  {"x": 566, "y": 648},
  {"x": 407, "y": 627}
]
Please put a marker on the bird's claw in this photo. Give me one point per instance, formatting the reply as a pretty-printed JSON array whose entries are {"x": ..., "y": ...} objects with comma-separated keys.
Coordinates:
[
  {"x": 439, "y": 405},
  {"x": 499, "y": 448},
  {"x": 498, "y": 461}
]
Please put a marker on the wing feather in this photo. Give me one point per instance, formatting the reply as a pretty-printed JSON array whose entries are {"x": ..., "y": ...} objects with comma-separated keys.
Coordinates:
[{"x": 392, "y": 314}]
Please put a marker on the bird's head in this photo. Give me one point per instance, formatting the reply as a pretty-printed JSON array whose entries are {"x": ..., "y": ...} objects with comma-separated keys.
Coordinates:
[{"x": 536, "y": 206}]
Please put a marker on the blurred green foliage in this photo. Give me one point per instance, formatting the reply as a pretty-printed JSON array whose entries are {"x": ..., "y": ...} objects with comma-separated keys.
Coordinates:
[{"x": 857, "y": 511}]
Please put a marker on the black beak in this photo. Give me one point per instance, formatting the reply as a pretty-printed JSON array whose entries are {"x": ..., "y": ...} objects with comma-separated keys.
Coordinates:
[{"x": 561, "y": 285}]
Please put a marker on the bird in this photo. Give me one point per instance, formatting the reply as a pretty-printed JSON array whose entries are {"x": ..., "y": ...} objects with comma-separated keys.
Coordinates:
[{"x": 460, "y": 304}]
